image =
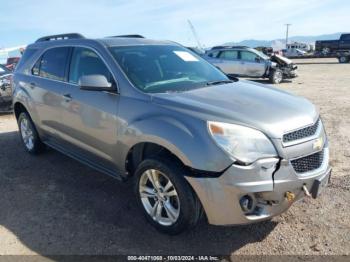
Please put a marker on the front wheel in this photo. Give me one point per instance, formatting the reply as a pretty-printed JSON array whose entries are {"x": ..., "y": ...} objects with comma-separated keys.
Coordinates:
[
  {"x": 276, "y": 76},
  {"x": 165, "y": 197}
]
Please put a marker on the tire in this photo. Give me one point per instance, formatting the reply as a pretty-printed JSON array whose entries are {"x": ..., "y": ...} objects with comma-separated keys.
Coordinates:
[
  {"x": 326, "y": 51},
  {"x": 343, "y": 59},
  {"x": 276, "y": 76},
  {"x": 29, "y": 135},
  {"x": 170, "y": 210}
]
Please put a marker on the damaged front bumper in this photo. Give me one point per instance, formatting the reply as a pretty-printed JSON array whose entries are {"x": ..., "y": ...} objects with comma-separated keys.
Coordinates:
[
  {"x": 260, "y": 191},
  {"x": 290, "y": 73}
]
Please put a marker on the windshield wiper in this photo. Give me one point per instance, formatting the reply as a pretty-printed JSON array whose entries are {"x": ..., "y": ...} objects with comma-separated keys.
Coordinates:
[{"x": 219, "y": 82}]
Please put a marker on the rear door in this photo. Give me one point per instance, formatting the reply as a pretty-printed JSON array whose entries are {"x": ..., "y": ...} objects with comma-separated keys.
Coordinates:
[
  {"x": 47, "y": 88},
  {"x": 252, "y": 64},
  {"x": 90, "y": 117}
]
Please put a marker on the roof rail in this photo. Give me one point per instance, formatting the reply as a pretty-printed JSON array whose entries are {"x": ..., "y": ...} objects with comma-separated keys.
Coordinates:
[
  {"x": 60, "y": 37},
  {"x": 229, "y": 46},
  {"x": 128, "y": 36}
]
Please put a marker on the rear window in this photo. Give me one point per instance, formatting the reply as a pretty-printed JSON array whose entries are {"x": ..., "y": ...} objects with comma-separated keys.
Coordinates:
[
  {"x": 52, "y": 64},
  {"x": 28, "y": 53}
]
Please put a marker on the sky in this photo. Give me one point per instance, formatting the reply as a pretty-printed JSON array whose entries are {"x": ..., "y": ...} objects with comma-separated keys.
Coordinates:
[{"x": 216, "y": 22}]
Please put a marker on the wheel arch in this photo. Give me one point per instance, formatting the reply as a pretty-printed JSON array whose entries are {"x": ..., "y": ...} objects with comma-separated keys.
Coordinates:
[{"x": 18, "y": 108}]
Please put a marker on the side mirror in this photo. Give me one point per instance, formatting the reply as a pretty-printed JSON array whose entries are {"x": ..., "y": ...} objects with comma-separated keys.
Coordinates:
[
  {"x": 257, "y": 59},
  {"x": 94, "y": 83}
]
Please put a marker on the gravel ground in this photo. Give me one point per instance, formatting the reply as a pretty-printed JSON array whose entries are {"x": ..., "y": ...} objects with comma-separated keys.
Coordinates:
[{"x": 51, "y": 204}]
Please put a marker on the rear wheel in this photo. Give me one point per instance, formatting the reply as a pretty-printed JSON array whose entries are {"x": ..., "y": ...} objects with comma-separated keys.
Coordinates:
[
  {"x": 326, "y": 50},
  {"x": 29, "y": 135},
  {"x": 276, "y": 76},
  {"x": 165, "y": 197},
  {"x": 343, "y": 59}
]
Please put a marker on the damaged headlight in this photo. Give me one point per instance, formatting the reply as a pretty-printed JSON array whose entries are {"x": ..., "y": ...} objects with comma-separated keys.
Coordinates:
[{"x": 244, "y": 144}]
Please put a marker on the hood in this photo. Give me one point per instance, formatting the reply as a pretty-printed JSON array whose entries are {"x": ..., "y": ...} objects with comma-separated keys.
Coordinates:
[
  {"x": 281, "y": 60},
  {"x": 246, "y": 103}
]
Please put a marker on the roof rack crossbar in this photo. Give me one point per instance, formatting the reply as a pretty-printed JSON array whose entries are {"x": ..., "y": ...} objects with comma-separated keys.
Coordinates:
[
  {"x": 129, "y": 36},
  {"x": 60, "y": 37}
]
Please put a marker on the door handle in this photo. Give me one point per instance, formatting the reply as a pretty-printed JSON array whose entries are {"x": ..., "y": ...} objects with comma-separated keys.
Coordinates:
[
  {"x": 67, "y": 97},
  {"x": 32, "y": 85}
]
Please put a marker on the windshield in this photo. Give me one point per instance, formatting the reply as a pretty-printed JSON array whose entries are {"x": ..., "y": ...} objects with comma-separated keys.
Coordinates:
[
  {"x": 261, "y": 54},
  {"x": 165, "y": 68}
]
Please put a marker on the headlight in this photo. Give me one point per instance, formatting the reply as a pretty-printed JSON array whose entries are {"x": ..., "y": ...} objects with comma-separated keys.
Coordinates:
[{"x": 242, "y": 143}]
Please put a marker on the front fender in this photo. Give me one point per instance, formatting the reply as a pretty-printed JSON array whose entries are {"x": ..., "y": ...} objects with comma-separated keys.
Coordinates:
[{"x": 188, "y": 140}]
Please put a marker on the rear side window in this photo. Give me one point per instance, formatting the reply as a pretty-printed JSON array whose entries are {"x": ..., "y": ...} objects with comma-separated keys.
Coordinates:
[
  {"x": 52, "y": 64},
  {"x": 229, "y": 54},
  {"x": 86, "y": 62}
]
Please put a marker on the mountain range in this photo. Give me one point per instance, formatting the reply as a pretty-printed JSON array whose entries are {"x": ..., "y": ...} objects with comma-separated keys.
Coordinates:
[{"x": 280, "y": 43}]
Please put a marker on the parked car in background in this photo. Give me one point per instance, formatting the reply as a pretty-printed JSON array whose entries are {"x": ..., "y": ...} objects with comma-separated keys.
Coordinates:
[
  {"x": 12, "y": 62},
  {"x": 328, "y": 47},
  {"x": 294, "y": 52},
  {"x": 4, "y": 70},
  {"x": 191, "y": 140},
  {"x": 248, "y": 62},
  {"x": 5, "y": 89}
]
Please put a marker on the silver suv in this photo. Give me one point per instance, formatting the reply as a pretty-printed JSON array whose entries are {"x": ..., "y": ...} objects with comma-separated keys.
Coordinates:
[
  {"x": 249, "y": 62},
  {"x": 194, "y": 142}
]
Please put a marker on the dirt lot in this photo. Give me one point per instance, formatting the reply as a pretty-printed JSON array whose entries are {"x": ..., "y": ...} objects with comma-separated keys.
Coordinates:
[{"x": 51, "y": 204}]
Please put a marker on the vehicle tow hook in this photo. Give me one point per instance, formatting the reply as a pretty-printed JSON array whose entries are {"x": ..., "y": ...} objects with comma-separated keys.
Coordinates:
[{"x": 306, "y": 191}]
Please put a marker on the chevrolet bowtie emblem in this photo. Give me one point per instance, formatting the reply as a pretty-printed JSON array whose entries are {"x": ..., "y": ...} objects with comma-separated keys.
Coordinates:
[{"x": 318, "y": 143}]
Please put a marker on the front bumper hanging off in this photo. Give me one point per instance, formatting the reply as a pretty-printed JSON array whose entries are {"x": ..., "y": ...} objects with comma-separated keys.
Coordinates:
[{"x": 268, "y": 187}]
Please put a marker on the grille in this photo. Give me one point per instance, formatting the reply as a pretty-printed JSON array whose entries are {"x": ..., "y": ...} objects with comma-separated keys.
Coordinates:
[
  {"x": 308, "y": 163},
  {"x": 301, "y": 133}
]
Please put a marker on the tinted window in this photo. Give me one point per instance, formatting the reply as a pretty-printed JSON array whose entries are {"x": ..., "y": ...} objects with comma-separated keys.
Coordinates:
[
  {"x": 229, "y": 54},
  {"x": 346, "y": 37},
  {"x": 213, "y": 54},
  {"x": 36, "y": 68},
  {"x": 86, "y": 62},
  {"x": 53, "y": 63},
  {"x": 165, "y": 68},
  {"x": 28, "y": 53},
  {"x": 248, "y": 56}
]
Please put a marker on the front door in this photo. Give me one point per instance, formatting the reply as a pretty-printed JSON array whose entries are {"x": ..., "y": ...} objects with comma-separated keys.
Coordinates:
[
  {"x": 229, "y": 62},
  {"x": 91, "y": 116},
  {"x": 253, "y": 65}
]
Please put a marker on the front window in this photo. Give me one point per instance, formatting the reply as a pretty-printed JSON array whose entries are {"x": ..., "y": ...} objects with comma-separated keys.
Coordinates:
[
  {"x": 164, "y": 68},
  {"x": 87, "y": 62}
]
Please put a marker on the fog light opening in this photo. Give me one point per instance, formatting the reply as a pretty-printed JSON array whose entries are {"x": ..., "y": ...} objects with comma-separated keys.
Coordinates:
[{"x": 247, "y": 203}]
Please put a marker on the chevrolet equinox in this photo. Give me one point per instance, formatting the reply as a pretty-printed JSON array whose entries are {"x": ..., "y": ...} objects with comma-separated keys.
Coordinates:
[{"x": 195, "y": 142}]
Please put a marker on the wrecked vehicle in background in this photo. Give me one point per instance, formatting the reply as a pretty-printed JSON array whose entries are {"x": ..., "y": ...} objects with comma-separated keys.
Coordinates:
[
  {"x": 248, "y": 62},
  {"x": 5, "y": 89}
]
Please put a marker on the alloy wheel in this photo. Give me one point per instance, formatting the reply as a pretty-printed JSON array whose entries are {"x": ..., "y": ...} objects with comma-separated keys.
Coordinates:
[
  {"x": 27, "y": 134},
  {"x": 159, "y": 197}
]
